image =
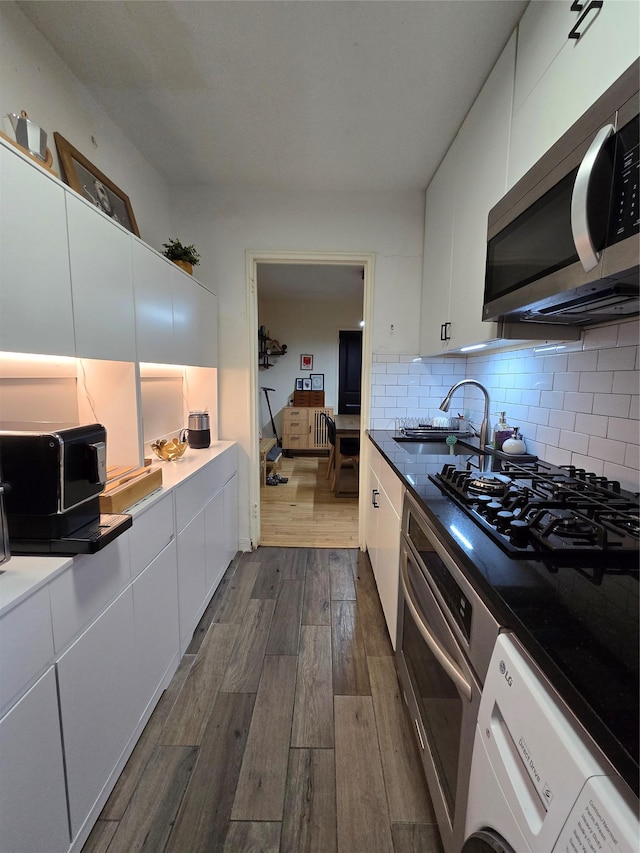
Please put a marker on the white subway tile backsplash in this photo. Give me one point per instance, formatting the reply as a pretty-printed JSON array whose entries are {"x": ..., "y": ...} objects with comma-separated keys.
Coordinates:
[
  {"x": 592, "y": 424},
  {"x": 632, "y": 457},
  {"x": 577, "y": 406},
  {"x": 399, "y": 367},
  {"x": 601, "y": 381},
  {"x": 629, "y": 333},
  {"x": 611, "y": 404},
  {"x": 623, "y": 429},
  {"x": 601, "y": 338},
  {"x": 621, "y": 358},
  {"x": 548, "y": 435},
  {"x": 576, "y": 442},
  {"x": 588, "y": 463},
  {"x": 566, "y": 381},
  {"x": 625, "y": 382},
  {"x": 607, "y": 450},
  {"x": 583, "y": 361},
  {"x": 552, "y": 399},
  {"x": 627, "y": 477},
  {"x": 578, "y": 402}
]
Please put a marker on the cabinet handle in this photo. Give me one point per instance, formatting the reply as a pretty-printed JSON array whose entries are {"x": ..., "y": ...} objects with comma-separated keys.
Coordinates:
[
  {"x": 374, "y": 498},
  {"x": 444, "y": 332}
]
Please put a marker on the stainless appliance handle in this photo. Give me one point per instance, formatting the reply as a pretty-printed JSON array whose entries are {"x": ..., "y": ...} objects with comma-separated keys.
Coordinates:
[
  {"x": 98, "y": 457},
  {"x": 587, "y": 253},
  {"x": 439, "y": 653}
]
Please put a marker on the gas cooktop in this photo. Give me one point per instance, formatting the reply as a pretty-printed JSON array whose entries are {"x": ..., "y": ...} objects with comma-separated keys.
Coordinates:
[{"x": 562, "y": 515}]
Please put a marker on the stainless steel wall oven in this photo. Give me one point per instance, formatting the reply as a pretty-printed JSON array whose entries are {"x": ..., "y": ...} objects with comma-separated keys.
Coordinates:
[{"x": 444, "y": 643}]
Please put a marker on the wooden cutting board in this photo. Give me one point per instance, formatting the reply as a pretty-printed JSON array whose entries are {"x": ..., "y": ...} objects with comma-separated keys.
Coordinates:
[{"x": 127, "y": 486}]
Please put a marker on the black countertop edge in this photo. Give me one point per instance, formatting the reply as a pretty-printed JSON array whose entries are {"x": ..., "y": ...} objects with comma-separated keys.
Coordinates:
[{"x": 441, "y": 511}]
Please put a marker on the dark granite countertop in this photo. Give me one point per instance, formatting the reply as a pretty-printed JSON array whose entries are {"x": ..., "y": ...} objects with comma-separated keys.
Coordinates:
[{"x": 583, "y": 635}]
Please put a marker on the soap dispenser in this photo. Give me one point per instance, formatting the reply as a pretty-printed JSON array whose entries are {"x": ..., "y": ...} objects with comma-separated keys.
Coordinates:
[
  {"x": 501, "y": 432},
  {"x": 515, "y": 444}
]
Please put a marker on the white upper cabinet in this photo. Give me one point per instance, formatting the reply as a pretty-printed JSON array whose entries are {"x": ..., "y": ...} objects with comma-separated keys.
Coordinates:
[
  {"x": 436, "y": 268},
  {"x": 470, "y": 180},
  {"x": 480, "y": 181},
  {"x": 102, "y": 284},
  {"x": 152, "y": 278},
  {"x": 195, "y": 321},
  {"x": 557, "y": 78},
  {"x": 35, "y": 287}
]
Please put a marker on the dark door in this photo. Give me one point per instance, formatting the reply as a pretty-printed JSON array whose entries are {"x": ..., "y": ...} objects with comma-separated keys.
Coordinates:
[{"x": 349, "y": 373}]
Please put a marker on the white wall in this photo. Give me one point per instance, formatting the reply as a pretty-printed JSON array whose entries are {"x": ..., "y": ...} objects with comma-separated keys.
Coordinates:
[
  {"x": 305, "y": 326},
  {"x": 226, "y": 223},
  {"x": 33, "y": 78}
]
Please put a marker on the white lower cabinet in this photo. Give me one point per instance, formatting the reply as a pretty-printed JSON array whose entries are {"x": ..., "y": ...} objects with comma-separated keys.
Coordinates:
[
  {"x": 382, "y": 531},
  {"x": 192, "y": 583},
  {"x": 230, "y": 520},
  {"x": 157, "y": 640},
  {"x": 33, "y": 804},
  {"x": 99, "y": 704}
]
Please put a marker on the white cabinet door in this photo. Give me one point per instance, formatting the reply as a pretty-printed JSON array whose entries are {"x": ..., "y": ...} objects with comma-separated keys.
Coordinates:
[
  {"x": 195, "y": 321},
  {"x": 99, "y": 702},
  {"x": 382, "y": 531},
  {"x": 230, "y": 519},
  {"x": 480, "y": 181},
  {"x": 152, "y": 284},
  {"x": 157, "y": 636},
  {"x": 35, "y": 283},
  {"x": 371, "y": 517},
  {"x": 102, "y": 285},
  {"x": 192, "y": 584},
  {"x": 33, "y": 802},
  {"x": 387, "y": 571},
  {"x": 26, "y": 644},
  {"x": 214, "y": 523},
  {"x": 438, "y": 245},
  {"x": 557, "y": 78}
]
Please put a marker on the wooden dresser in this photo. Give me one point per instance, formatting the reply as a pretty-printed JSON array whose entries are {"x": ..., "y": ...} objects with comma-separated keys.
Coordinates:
[{"x": 304, "y": 429}]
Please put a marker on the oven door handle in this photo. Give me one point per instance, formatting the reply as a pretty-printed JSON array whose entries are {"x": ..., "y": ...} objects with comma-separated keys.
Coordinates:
[{"x": 439, "y": 653}]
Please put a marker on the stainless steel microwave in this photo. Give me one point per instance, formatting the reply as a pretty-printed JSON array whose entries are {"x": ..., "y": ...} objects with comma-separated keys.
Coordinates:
[{"x": 563, "y": 245}]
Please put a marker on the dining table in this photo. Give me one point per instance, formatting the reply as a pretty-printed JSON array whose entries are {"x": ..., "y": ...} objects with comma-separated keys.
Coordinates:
[{"x": 347, "y": 426}]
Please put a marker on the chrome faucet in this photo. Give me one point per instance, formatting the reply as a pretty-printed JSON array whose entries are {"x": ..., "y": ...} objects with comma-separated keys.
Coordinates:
[{"x": 484, "y": 429}]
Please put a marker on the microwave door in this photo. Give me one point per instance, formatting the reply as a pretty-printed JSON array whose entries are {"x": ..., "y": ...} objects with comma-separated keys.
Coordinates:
[{"x": 589, "y": 222}]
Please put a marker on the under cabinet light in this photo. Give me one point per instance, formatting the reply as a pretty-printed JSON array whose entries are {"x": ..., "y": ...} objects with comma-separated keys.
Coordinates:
[
  {"x": 475, "y": 346},
  {"x": 32, "y": 356}
]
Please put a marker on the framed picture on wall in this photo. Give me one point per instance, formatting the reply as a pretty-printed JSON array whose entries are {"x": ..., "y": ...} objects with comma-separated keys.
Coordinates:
[
  {"x": 317, "y": 381},
  {"x": 306, "y": 385},
  {"x": 299, "y": 384},
  {"x": 306, "y": 362},
  {"x": 86, "y": 179}
]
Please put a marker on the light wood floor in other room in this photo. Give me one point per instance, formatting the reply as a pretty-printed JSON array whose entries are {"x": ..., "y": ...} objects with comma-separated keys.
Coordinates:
[
  {"x": 283, "y": 729},
  {"x": 304, "y": 513}
]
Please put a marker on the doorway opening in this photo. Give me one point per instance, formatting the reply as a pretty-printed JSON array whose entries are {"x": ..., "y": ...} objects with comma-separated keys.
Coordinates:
[{"x": 302, "y": 302}]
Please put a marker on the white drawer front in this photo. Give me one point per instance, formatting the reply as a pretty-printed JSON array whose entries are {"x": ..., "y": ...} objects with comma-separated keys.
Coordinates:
[{"x": 151, "y": 532}]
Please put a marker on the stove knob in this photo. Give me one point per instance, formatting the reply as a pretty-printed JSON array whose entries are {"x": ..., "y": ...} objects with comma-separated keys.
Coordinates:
[
  {"x": 492, "y": 509},
  {"x": 483, "y": 502},
  {"x": 519, "y": 532},
  {"x": 503, "y": 520}
]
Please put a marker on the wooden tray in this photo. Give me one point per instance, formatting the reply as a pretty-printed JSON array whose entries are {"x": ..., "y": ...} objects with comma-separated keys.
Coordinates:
[{"x": 128, "y": 487}]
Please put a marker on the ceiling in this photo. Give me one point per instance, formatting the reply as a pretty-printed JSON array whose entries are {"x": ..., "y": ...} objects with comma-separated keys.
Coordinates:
[{"x": 351, "y": 95}]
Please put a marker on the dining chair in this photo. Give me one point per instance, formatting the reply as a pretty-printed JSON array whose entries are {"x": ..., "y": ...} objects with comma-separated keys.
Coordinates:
[{"x": 349, "y": 451}]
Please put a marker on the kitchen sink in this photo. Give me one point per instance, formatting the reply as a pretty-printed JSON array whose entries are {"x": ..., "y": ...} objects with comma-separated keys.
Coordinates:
[{"x": 436, "y": 448}]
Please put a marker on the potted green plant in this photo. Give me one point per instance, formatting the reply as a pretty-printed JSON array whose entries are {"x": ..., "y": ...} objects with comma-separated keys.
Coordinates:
[{"x": 186, "y": 257}]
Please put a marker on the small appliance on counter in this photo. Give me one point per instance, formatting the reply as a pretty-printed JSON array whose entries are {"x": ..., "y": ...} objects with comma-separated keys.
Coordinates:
[
  {"x": 198, "y": 431},
  {"x": 56, "y": 473}
]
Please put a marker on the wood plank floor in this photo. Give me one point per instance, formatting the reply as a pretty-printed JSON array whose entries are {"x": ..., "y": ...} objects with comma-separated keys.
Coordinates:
[
  {"x": 283, "y": 730},
  {"x": 304, "y": 513}
]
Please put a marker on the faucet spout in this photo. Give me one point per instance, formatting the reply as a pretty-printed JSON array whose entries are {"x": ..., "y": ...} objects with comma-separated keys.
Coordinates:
[{"x": 484, "y": 429}]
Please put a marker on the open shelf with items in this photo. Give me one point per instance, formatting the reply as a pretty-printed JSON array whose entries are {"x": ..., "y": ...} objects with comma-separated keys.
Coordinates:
[{"x": 268, "y": 348}]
